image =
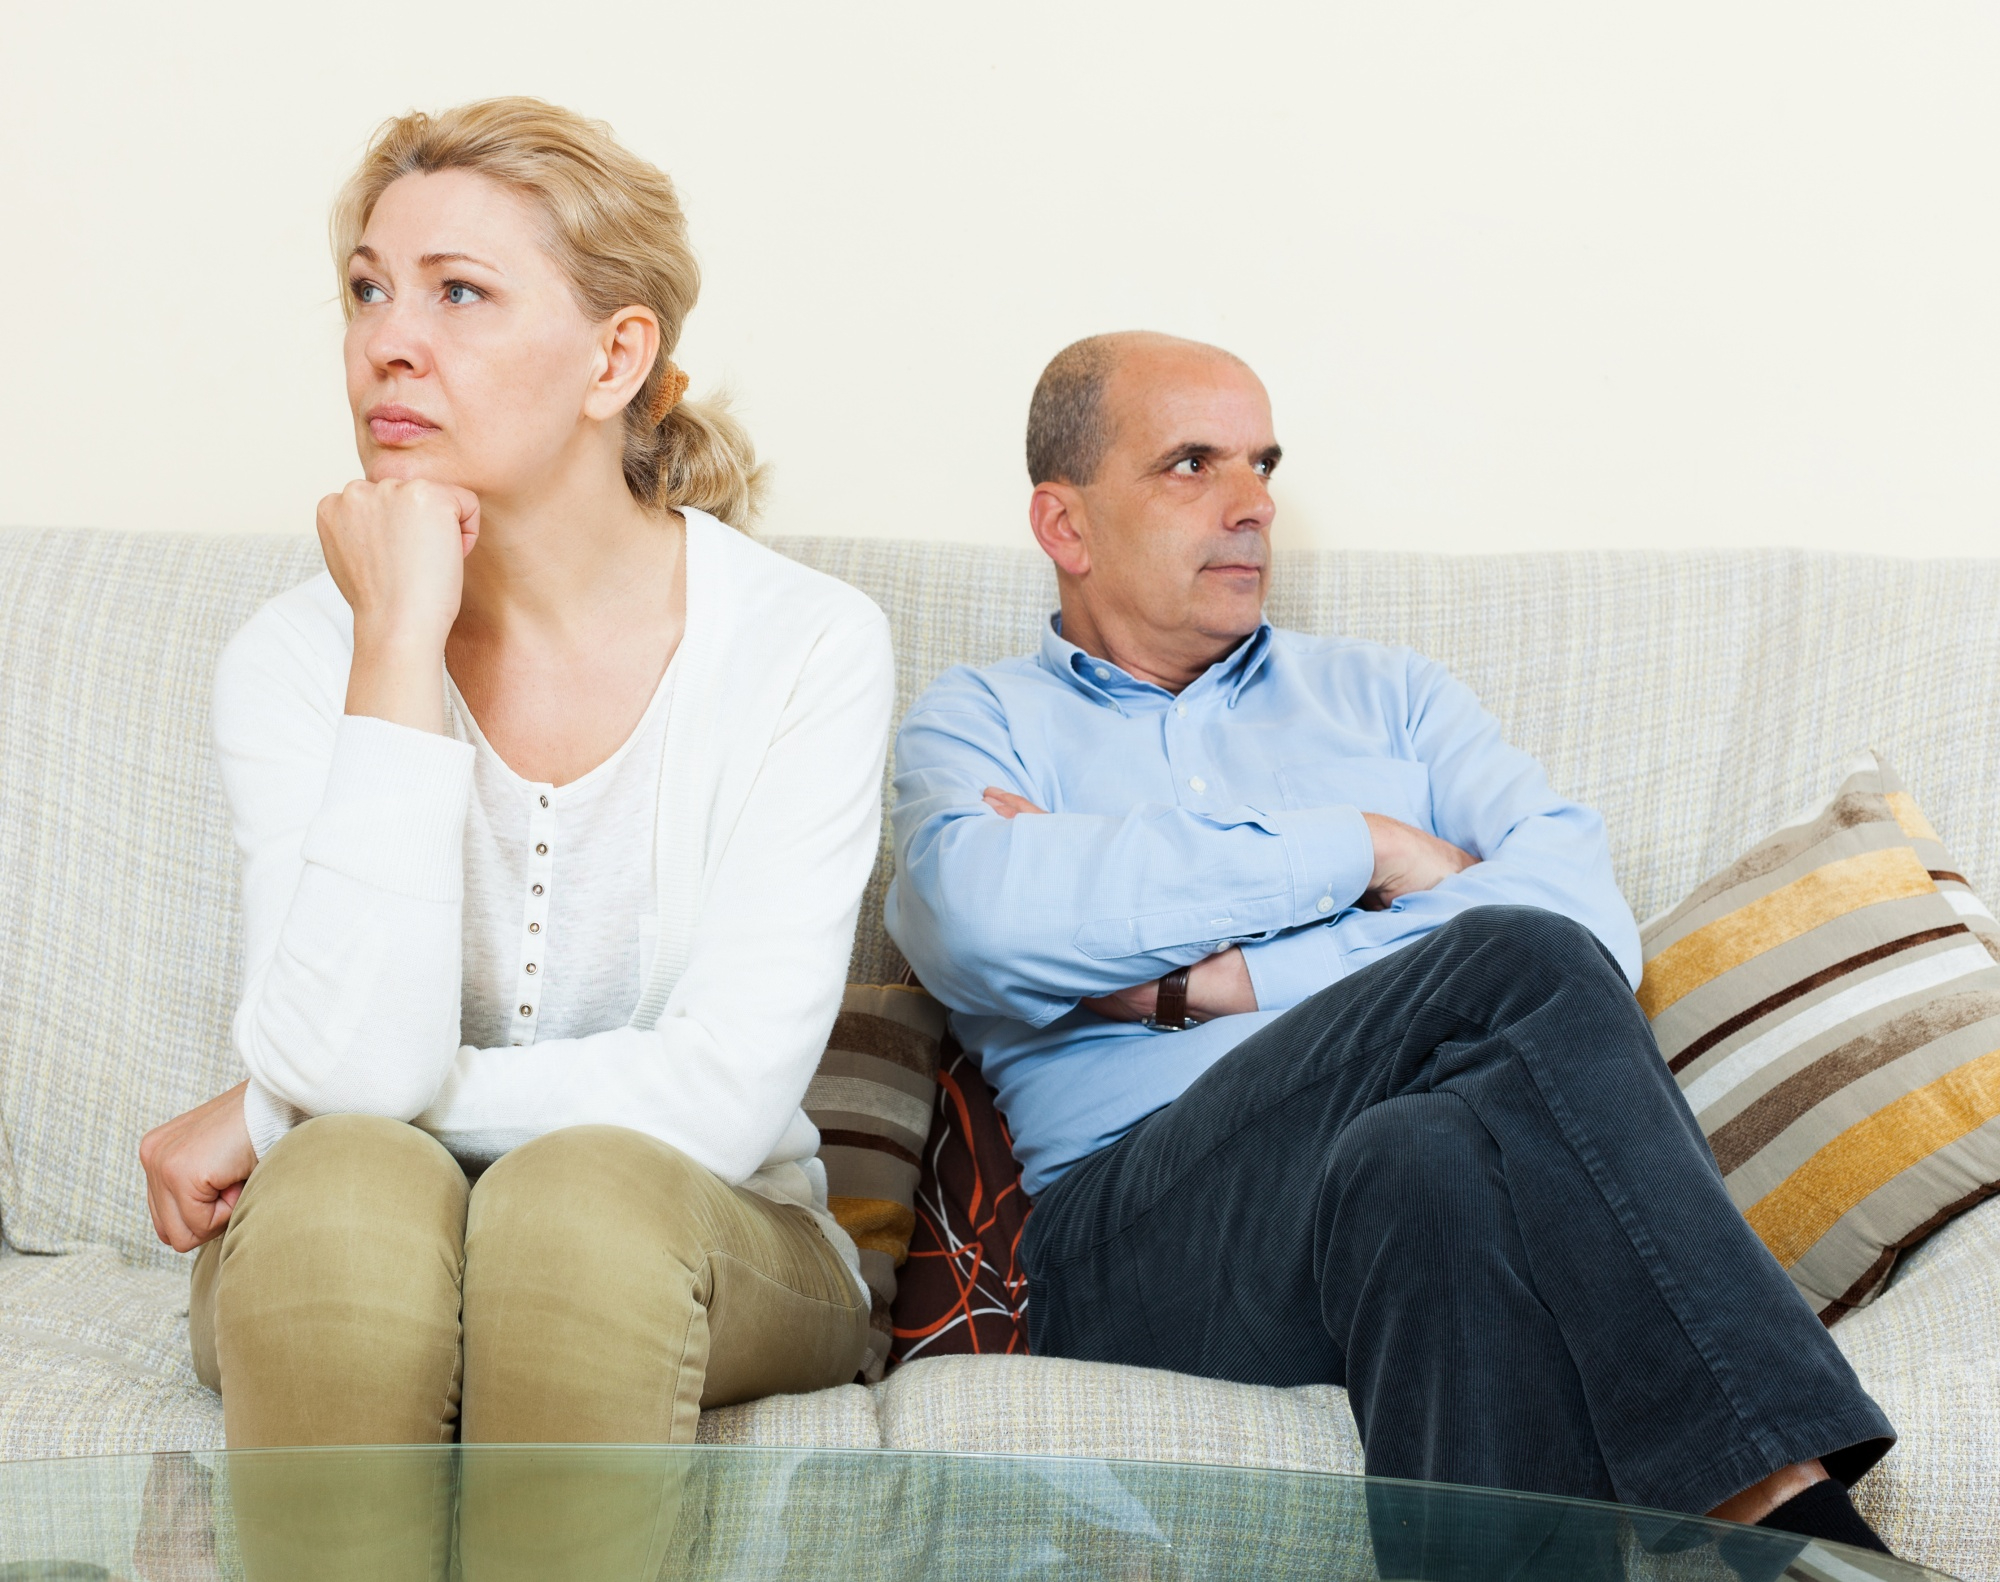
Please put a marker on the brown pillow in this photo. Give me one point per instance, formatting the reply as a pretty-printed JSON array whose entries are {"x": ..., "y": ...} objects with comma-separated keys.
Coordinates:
[
  {"x": 872, "y": 1101},
  {"x": 1830, "y": 1005},
  {"x": 963, "y": 1289}
]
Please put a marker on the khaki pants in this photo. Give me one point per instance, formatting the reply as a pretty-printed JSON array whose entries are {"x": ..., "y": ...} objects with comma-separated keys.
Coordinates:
[{"x": 595, "y": 1285}]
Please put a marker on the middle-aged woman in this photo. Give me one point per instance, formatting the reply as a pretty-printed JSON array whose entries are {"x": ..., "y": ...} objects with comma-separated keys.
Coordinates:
[{"x": 555, "y": 798}]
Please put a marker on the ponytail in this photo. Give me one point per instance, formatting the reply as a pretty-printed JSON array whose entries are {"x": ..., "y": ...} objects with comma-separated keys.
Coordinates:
[{"x": 698, "y": 457}]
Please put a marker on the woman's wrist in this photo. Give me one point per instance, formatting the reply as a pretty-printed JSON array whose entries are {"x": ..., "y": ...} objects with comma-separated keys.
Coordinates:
[{"x": 398, "y": 677}]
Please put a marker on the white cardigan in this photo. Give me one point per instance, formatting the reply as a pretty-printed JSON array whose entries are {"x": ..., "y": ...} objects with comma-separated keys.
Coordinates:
[{"x": 352, "y": 835}]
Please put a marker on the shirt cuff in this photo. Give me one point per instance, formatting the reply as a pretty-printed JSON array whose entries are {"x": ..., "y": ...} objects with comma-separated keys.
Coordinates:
[
  {"x": 1290, "y": 967},
  {"x": 1332, "y": 856},
  {"x": 393, "y": 814},
  {"x": 268, "y": 1116}
]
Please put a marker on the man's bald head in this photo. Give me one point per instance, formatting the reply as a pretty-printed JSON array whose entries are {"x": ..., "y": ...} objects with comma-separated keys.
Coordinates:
[
  {"x": 1069, "y": 421},
  {"x": 1152, "y": 460}
]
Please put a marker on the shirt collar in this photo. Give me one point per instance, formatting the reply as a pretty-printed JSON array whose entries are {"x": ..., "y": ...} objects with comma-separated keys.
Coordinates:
[{"x": 1101, "y": 679}]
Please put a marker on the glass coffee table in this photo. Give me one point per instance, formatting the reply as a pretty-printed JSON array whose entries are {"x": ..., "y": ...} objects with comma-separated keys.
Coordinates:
[{"x": 598, "y": 1514}]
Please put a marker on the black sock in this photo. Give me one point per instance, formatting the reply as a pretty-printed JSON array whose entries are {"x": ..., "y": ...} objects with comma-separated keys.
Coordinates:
[{"x": 1825, "y": 1511}]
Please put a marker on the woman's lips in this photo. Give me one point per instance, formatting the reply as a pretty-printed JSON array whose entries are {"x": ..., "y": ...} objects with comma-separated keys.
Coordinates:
[{"x": 399, "y": 425}]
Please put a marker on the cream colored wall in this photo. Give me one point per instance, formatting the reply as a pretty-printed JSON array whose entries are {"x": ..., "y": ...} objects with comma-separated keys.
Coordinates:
[{"x": 1518, "y": 276}]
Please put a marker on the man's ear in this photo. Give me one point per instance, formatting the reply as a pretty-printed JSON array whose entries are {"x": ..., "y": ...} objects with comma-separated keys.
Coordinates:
[{"x": 1057, "y": 516}]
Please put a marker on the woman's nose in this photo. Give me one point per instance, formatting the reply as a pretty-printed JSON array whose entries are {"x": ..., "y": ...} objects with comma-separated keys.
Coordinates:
[{"x": 394, "y": 339}]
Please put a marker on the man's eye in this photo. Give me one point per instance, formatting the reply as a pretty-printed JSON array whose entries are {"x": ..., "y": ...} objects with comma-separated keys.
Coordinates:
[
  {"x": 1188, "y": 466},
  {"x": 458, "y": 293},
  {"x": 367, "y": 291}
]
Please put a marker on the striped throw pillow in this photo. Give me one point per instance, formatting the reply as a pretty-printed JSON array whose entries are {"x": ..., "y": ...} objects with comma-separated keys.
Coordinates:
[
  {"x": 871, "y": 1100},
  {"x": 1830, "y": 1005}
]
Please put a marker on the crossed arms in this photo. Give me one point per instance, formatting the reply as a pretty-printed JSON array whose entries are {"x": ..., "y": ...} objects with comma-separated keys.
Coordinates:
[{"x": 1027, "y": 917}]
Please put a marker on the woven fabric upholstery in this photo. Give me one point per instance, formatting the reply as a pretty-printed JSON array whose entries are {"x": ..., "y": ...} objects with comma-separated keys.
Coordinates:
[
  {"x": 1038, "y": 1405},
  {"x": 842, "y": 1418},
  {"x": 119, "y": 962},
  {"x": 94, "y": 1360},
  {"x": 1928, "y": 1349}
]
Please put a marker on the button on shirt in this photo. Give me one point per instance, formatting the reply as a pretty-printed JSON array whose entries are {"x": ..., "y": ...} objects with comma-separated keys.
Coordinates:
[
  {"x": 559, "y": 919},
  {"x": 1177, "y": 826}
]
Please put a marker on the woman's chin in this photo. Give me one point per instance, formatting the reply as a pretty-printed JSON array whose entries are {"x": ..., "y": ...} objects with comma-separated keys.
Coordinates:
[{"x": 408, "y": 466}]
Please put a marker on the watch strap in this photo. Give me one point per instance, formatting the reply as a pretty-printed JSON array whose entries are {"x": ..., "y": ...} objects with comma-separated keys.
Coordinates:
[{"x": 1170, "y": 1010}]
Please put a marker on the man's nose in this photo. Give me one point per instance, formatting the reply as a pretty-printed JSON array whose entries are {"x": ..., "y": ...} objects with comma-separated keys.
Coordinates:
[{"x": 1251, "y": 507}]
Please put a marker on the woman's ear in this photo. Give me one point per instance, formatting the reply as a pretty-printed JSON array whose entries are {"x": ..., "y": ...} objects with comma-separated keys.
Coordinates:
[{"x": 628, "y": 344}]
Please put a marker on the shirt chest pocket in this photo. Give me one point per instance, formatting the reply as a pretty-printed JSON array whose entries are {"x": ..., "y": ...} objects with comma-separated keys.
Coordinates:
[{"x": 1394, "y": 786}]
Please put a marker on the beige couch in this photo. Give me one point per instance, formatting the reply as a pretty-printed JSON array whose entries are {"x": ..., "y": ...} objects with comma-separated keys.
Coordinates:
[{"x": 1694, "y": 698}]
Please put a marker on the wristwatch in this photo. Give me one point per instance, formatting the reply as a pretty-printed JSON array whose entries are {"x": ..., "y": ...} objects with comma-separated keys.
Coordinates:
[{"x": 1170, "y": 1009}]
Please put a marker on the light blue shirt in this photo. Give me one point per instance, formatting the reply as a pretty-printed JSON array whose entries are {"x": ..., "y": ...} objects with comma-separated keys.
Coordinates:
[{"x": 1177, "y": 826}]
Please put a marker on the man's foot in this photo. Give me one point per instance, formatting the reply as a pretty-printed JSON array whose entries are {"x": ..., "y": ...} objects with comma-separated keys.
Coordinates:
[{"x": 1825, "y": 1511}]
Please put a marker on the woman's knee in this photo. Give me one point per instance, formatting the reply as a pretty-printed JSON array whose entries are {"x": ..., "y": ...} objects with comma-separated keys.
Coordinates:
[
  {"x": 334, "y": 1300},
  {"x": 609, "y": 1185},
  {"x": 349, "y": 1214},
  {"x": 336, "y": 1166}
]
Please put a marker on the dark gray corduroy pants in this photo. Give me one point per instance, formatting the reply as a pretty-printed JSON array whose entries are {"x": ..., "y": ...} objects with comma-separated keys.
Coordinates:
[{"x": 1463, "y": 1184}]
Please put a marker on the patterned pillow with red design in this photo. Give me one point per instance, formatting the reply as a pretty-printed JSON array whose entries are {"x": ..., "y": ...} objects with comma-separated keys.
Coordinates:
[{"x": 963, "y": 1288}]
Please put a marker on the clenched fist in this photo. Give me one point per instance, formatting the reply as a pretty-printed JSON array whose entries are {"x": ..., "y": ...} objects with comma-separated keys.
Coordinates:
[
  {"x": 1408, "y": 859},
  {"x": 397, "y": 551},
  {"x": 195, "y": 1166}
]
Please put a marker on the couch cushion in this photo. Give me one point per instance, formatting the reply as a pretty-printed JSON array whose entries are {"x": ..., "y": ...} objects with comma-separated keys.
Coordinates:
[
  {"x": 871, "y": 1099},
  {"x": 1832, "y": 1021},
  {"x": 1053, "y": 1406},
  {"x": 94, "y": 1360},
  {"x": 118, "y": 964},
  {"x": 964, "y": 1290},
  {"x": 1928, "y": 1349},
  {"x": 842, "y": 1418}
]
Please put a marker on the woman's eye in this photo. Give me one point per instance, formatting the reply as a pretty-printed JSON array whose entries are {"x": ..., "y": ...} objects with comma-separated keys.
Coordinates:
[
  {"x": 458, "y": 293},
  {"x": 367, "y": 291}
]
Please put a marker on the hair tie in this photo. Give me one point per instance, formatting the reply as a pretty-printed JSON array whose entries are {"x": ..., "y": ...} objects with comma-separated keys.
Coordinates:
[{"x": 673, "y": 385}]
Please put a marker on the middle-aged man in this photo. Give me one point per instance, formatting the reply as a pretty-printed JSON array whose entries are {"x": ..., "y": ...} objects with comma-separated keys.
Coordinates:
[{"x": 1309, "y": 1004}]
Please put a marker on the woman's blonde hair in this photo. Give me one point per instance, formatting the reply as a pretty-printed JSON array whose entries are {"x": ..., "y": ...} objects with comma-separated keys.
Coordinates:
[{"x": 615, "y": 226}]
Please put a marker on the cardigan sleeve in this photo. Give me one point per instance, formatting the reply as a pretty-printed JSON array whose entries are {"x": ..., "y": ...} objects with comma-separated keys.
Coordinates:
[
  {"x": 351, "y": 833},
  {"x": 722, "y": 1073}
]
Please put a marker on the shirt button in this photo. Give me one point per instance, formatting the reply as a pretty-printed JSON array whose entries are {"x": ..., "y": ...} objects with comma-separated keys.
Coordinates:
[
  {"x": 531, "y": 966},
  {"x": 534, "y": 928},
  {"x": 1197, "y": 784},
  {"x": 1181, "y": 710},
  {"x": 541, "y": 848},
  {"x": 538, "y": 889},
  {"x": 1101, "y": 673},
  {"x": 527, "y": 1010},
  {"x": 545, "y": 801},
  {"x": 1324, "y": 904}
]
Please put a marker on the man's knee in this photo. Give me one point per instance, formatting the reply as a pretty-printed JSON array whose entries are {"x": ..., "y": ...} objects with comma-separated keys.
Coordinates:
[
  {"x": 1397, "y": 1150},
  {"x": 1527, "y": 942}
]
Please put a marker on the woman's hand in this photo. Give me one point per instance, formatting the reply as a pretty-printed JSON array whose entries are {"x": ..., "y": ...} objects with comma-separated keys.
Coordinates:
[
  {"x": 397, "y": 551},
  {"x": 196, "y": 1165}
]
